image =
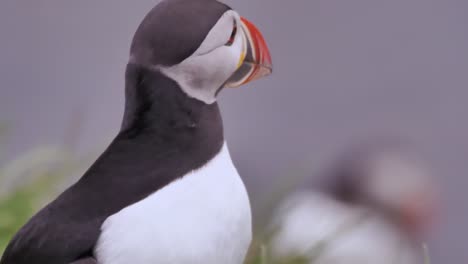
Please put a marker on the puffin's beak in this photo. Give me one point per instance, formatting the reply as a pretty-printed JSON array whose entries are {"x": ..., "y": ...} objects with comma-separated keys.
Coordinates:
[
  {"x": 255, "y": 61},
  {"x": 418, "y": 213}
]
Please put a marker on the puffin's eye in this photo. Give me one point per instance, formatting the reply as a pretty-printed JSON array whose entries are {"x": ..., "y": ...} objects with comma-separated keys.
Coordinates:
[{"x": 233, "y": 35}]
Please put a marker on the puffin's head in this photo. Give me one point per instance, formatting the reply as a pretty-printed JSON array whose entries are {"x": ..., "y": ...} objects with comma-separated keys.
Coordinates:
[
  {"x": 393, "y": 179},
  {"x": 203, "y": 45}
]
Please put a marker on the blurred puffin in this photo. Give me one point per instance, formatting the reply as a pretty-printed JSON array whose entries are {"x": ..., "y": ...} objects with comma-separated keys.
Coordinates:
[
  {"x": 377, "y": 202},
  {"x": 165, "y": 190}
]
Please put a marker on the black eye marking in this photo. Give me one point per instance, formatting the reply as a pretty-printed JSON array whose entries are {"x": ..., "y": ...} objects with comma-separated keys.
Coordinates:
[{"x": 233, "y": 35}]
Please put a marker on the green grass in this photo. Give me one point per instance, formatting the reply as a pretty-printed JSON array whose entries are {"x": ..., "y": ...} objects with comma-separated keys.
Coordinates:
[
  {"x": 15, "y": 210},
  {"x": 20, "y": 203},
  {"x": 28, "y": 182},
  {"x": 427, "y": 259},
  {"x": 259, "y": 253}
]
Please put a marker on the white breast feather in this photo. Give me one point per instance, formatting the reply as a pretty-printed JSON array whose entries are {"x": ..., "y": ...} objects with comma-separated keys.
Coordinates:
[
  {"x": 204, "y": 218},
  {"x": 309, "y": 218}
]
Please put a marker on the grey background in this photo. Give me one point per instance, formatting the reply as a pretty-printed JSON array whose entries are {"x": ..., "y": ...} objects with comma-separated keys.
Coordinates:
[{"x": 344, "y": 70}]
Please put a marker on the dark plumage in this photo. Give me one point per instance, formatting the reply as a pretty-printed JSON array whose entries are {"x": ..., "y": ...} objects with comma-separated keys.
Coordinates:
[
  {"x": 178, "y": 35},
  {"x": 165, "y": 135},
  {"x": 85, "y": 261}
]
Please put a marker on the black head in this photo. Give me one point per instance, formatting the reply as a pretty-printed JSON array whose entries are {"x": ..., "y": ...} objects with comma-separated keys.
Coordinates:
[
  {"x": 203, "y": 45},
  {"x": 173, "y": 30},
  {"x": 388, "y": 176}
]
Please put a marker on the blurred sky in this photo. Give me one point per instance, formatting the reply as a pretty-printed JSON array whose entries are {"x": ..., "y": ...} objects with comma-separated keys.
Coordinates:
[{"x": 344, "y": 70}]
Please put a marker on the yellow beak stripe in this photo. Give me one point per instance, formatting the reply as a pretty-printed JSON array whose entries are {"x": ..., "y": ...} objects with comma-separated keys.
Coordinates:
[{"x": 241, "y": 59}]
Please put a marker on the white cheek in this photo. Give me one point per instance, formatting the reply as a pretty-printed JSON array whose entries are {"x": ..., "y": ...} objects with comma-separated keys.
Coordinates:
[
  {"x": 206, "y": 71},
  {"x": 202, "y": 76},
  {"x": 218, "y": 35}
]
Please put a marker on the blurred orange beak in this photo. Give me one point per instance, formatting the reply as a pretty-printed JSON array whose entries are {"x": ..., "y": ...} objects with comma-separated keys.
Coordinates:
[
  {"x": 256, "y": 59},
  {"x": 418, "y": 213}
]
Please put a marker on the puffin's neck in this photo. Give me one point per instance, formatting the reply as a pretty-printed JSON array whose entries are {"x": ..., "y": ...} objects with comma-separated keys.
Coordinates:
[{"x": 157, "y": 109}]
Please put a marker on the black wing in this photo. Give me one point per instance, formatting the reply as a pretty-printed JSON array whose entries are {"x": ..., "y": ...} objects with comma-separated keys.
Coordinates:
[
  {"x": 88, "y": 260},
  {"x": 53, "y": 235},
  {"x": 68, "y": 228},
  {"x": 155, "y": 148}
]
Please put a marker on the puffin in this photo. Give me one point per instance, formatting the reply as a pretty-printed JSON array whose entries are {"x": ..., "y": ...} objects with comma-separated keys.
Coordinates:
[
  {"x": 165, "y": 190},
  {"x": 378, "y": 200}
]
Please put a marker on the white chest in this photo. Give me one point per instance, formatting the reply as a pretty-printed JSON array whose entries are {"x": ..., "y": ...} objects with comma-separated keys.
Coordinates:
[
  {"x": 204, "y": 217},
  {"x": 312, "y": 218}
]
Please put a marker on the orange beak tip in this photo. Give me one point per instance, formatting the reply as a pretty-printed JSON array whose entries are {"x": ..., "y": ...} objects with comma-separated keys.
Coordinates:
[{"x": 257, "y": 63}]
